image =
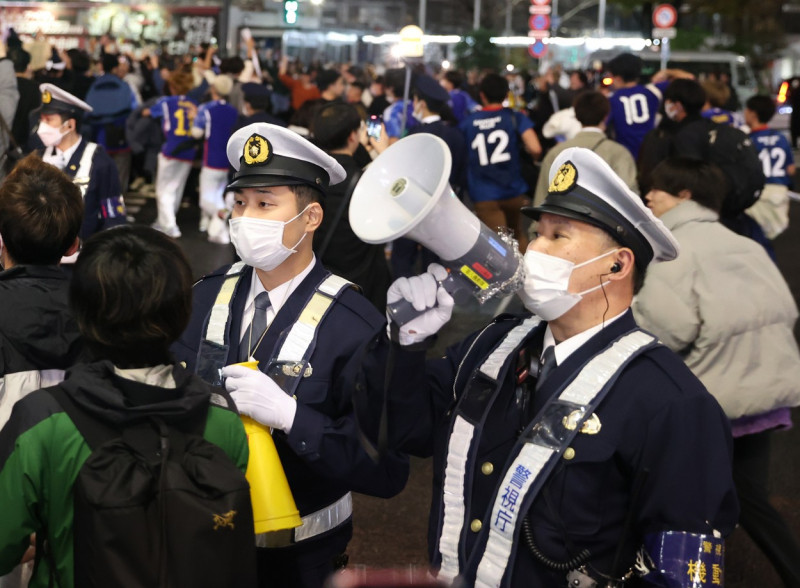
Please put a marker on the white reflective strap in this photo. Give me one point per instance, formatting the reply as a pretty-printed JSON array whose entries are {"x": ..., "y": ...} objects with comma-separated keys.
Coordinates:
[
  {"x": 491, "y": 367},
  {"x": 453, "y": 497},
  {"x": 16, "y": 386},
  {"x": 301, "y": 335},
  {"x": 583, "y": 389},
  {"x": 84, "y": 173},
  {"x": 507, "y": 511},
  {"x": 316, "y": 523},
  {"x": 655, "y": 90},
  {"x": 532, "y": 459},
  {"x": 220, "y": 312}
]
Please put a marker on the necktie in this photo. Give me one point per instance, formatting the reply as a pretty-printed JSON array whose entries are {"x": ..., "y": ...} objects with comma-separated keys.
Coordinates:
[
  {"x": 546, "y": 364},
  {"x": 257, "y": 327}
]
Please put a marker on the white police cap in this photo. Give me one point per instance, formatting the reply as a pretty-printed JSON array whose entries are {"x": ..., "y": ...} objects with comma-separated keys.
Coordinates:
[
  {"x": 58, "y": 101},
  {"x": 585, "y": 188},
  {"x": 268, "y": 155}
]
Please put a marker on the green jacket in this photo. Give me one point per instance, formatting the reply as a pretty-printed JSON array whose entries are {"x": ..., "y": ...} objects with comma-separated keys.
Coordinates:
[{"x": 41, "y": 453}]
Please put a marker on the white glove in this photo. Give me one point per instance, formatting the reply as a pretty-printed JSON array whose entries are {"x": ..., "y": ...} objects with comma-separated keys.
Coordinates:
[
  {"x": 423, "y": 292},
  {"x": 259, "y": 397}
]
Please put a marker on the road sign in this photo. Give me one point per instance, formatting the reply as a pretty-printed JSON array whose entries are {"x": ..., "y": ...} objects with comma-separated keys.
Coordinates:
[
  {"x": 540, "y": 9},
  {"x": 537, "y": 49},
  {"x": 540, "y": 2},
  {"x": 664, "y": 16},
  {"x": 668, "y": 33},
  {"x": 538, "y": 34},
  {"x": 539, "y": 22}
]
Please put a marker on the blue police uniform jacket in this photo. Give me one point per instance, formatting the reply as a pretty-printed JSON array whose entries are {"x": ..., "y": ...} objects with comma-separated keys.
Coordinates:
[
  {"x": 103, "y": 204},
  {"x": 322, "y": 455},
  {"x": 658, "y": 426}
]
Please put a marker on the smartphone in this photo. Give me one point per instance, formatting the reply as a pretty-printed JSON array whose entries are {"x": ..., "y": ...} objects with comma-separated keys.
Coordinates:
[{"x": 374, "y": 124}]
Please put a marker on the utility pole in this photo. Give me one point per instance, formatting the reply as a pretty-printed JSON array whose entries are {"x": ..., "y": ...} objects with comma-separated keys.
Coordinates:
[
  {"x": 601, "y": 18},
  {"x": 476, "y": 22},
  {"x": 423, "y": 7}
]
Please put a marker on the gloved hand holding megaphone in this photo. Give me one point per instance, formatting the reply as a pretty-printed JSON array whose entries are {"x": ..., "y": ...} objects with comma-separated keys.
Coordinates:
[
  {"x": 405, "y": 193},
  {"x": 428, "y": 297}
]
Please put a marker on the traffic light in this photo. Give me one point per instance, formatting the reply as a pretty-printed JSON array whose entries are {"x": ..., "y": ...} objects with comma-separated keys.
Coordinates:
[{"x": 290, "y": 8}]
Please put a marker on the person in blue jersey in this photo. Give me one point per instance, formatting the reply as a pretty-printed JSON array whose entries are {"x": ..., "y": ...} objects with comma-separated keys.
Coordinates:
[
  {"x": 177, "y": 113},
  {"x": 493, "y": 137},
  {"x": 393, "y": 115},
  {"x": 214, "y": 123},
  {"x": 771, "y": 210},
  {"x": 461, "y": 102},
  {"x": 634, "y": 106}
]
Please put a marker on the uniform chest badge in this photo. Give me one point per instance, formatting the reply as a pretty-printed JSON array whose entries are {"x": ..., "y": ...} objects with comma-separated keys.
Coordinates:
[
  {"x": 564, "y": 180},
  {"x": 257, "y": 150},
  {"x": 592, "y": 425},
  {"x": 295, "y": 370}
]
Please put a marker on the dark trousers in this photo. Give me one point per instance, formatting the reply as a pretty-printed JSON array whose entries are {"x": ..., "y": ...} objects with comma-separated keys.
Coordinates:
[
  {"x": 305, "y": 565},
  {"x": 758, "y": 517}
]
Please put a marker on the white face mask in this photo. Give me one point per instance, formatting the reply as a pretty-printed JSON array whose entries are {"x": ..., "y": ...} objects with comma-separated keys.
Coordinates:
[
  {"x": 50, "y": 136},
  {"x": 545, "y": 291},
  {"x": 259, "y": 242},
  {"x": 671, "y": 110}
]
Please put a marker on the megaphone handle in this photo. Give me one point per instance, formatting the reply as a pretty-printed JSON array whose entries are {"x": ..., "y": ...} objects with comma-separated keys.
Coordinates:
[{"x": 402, "y": 311}]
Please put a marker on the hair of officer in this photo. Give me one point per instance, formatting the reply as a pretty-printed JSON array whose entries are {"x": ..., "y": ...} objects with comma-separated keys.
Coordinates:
[
  {"x": 131, "y": 295},
  {"x": 333, "y": 124},
  {"x": 305, "y": 195},
  {"x": 688, "y": 92},
  {"x": 591, "y": 108},
  {"x": 627, "y": 66},
  {"x": 762, "y": 106},
  {"x": 41, "y": 212},
  {"x": 494, "y": 87},
  {"x": 705, "y": 181},
  {"x": 639, "y": 272}
]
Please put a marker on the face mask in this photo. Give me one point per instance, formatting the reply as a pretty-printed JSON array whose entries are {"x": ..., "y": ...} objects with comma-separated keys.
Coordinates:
[
  {"x": 545, "y": 291},
  {"x": 671, "y": 110},
  {"x": 50, "y": 136},
  {"x": 259, "y": 242}
]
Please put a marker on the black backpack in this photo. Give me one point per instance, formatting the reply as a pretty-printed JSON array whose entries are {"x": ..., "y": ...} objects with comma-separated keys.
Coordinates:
[
  {"x": 158, "y": 506},
  {"x": 734, "y": 153}
]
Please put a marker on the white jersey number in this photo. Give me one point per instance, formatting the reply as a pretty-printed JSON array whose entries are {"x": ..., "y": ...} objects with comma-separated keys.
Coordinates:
[
  {"x": 636, "y": 109},
  {"x": 773, "y": 162},
  {"x": 499, "y": 153}
]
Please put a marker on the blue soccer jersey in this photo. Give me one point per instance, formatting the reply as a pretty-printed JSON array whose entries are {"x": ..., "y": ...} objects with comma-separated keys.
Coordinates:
[
  {"x": 493, "y": 168},
  {"x": 217, "y": 119},
  {"x": 393, "y": 118},
  {"x": 633, "y": 114},
  {"x": 177, "y": 115},
  {"x": 775, "y": 154}
]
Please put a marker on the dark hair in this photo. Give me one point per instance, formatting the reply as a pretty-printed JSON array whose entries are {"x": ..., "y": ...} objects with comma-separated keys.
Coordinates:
[
  {"x": 333, "y": 124},
  {"x": 591, "y": 108},
  {"x": 762, "y": 106},
  {"x": 435, "y": 106},
  {"x": 704, "y": 180},
  {"x": 494, "y": 87},
  {"x": 688, "y": 92},
  {"x": 41, "y": 212},
  {"x": 79, "y": 60},
  {"x": 305, "y": 195},
  {"x": 581, "y": 76},
  {"x": 639, "y": 270},
  {"x": 110, "y": 61},
  {"x": 258, "y": 102},
  {"x": 627, "y": 66},
  {"x": 326, "y": 78},
  {"x": 231, "y": 65},
  {"x": 20, "y": 58},
  {"x": 395, "y": 79},
  {"x": 131, "y": 295},
  {"x": 454, "y": 77}
]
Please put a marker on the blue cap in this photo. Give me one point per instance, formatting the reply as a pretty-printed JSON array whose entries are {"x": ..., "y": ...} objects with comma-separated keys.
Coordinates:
[{"x": 429, "y": 89}]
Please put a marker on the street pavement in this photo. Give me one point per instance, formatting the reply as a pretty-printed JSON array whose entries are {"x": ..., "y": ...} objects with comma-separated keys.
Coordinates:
[{"x": 393, "y": 533}]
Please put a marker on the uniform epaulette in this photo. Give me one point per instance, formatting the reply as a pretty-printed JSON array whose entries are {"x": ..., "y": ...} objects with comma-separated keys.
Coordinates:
[
  {"x": 217, "y": 273},
  {"x": 357, "y": 305}
]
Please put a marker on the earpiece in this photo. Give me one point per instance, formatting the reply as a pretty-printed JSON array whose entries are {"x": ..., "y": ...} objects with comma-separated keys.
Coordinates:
[{"x": 616, "y": 268}]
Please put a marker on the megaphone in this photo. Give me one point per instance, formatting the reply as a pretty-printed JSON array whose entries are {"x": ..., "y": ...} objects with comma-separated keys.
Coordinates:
[
  {"x": 274, "y": 508},
  {"x": 405, "y": 193}
]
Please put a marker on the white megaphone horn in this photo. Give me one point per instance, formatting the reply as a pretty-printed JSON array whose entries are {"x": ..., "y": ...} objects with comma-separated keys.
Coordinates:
[{"x": 405, "y": 193}]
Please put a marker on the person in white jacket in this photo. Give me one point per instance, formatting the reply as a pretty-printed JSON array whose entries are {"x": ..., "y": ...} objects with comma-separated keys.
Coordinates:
[{"x": 725, "y": 307}]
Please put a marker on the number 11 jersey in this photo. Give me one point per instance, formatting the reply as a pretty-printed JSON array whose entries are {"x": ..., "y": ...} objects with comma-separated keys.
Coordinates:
[
  {"x": 177, "y": 115},
  {"x": 493, "y": 168}
]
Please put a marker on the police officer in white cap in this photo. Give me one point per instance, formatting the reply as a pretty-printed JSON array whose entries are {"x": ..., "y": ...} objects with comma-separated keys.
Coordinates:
[
  {"x": 87, "y": 163},
  {"x": 571, "y": 447},
  {"x": 307, "y": 328}
]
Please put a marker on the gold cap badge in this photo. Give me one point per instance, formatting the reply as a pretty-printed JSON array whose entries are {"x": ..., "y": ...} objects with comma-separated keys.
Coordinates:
[
  {"x": 564, "y": 180},
  {"x": 47, "y": 97},
  {"x": 257, "y": 150}
]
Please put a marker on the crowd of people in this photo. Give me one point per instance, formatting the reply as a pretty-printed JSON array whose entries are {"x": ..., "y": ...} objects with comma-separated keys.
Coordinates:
[{"x": 612, "y": 433}]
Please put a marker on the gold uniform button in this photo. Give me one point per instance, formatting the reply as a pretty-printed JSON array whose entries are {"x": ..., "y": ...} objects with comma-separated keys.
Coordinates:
[
  {"x": 476, "y": 525},
  {"x": 487, "y": 468},
  {"x": 569, "y": 453}
]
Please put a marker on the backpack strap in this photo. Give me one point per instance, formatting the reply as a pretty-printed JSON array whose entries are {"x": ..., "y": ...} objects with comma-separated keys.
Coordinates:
[{"x": 94, "y": 431}]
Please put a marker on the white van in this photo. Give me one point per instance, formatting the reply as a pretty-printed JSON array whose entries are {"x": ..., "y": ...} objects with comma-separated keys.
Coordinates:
[{"x": 696, "y": 62}]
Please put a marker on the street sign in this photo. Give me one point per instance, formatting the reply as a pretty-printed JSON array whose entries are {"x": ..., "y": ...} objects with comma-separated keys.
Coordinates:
[
  {"x": 540, "y": 9},
  {"x": 668, "y": 33},
  {"x": 539, "y": 34},
  {"x": 664, "y": 16},
  {"x": 539, "y": 22},
  {"x": 540, "y": 2},
  {"x": 537, "y": 49}
]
